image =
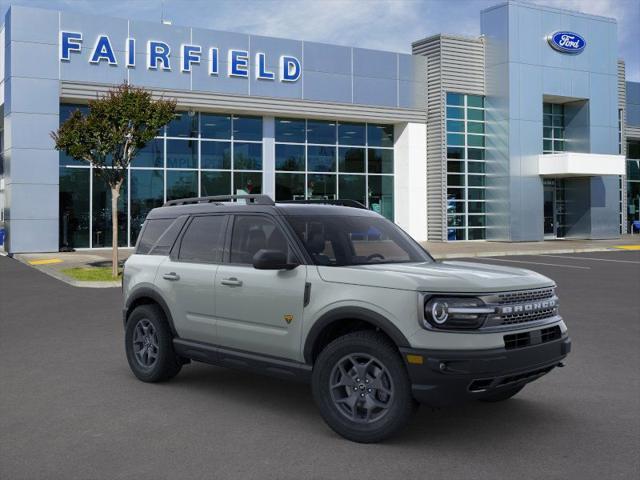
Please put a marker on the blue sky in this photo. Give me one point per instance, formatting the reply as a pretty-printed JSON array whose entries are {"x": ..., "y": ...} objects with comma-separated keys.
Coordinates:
[{"x": 381, "y": 24}]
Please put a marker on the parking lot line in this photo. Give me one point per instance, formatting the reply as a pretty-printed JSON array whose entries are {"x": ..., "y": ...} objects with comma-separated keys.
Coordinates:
[
  {"x": 535, "y": 263},
  {"x": 591, "y": 258},
  {"x": 46, "y": 261},
  {"x": 628, "y": 247}
]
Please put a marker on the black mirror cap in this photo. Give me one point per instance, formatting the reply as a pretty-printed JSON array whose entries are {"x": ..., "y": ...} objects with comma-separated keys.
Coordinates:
[{"x": 272, "y": 260}]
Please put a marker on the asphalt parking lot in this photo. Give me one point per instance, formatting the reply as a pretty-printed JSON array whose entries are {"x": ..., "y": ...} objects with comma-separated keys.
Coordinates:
[{"x": 70, "y": 408}]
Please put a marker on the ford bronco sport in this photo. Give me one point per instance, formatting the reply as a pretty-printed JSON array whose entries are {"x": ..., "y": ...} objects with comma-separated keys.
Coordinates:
[{"x": 338, "y": 296}]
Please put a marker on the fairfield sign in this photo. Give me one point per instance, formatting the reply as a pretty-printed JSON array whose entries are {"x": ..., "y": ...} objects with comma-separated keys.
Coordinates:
[{"x": 159, "y": 56}]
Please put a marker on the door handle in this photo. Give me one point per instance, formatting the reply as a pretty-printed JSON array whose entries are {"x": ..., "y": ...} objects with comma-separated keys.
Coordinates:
[
  {"x": 173, "y": 276},
  {"x": 231, "y": 282}
]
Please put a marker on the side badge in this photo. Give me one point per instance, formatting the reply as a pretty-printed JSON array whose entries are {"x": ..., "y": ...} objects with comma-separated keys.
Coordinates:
[{"x": 288, "y": 318}]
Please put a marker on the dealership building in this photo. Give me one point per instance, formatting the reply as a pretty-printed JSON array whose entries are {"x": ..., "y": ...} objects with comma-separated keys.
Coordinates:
[{"x": 527, "y": 132}]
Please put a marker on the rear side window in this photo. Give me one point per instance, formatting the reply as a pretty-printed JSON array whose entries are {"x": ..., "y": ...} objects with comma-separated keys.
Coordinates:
[
  {"x": 151, "y": 232},
  {"x": 203, "y": 241},
  {"x": 168, "y": 238}
]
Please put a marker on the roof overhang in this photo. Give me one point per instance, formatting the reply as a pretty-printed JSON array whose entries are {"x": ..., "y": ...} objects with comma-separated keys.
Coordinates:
[{"x": 573, "y": 164}]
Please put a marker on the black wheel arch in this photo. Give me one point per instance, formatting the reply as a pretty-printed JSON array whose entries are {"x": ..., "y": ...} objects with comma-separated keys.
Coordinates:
[
  {"x": 146, "y": 296},
  {"x": 359, "y": 314}
]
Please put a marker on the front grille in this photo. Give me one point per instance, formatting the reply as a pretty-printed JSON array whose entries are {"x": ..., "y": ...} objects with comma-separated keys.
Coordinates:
[
  {"x": 527, "y": 376},
  {"x": 515, "y": 318},
  {"x": 535, "y": 337},
  {"x": 525, "y": 296},
  {"x": 524, "y": 306}
]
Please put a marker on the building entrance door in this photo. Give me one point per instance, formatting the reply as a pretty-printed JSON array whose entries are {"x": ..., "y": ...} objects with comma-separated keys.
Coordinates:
[{"x": 555, "y": 208}]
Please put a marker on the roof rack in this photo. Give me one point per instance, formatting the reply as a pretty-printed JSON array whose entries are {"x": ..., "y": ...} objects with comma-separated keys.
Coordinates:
[
  {"x": 218, "y": 199},
  {"x": 342, "y": 203}
]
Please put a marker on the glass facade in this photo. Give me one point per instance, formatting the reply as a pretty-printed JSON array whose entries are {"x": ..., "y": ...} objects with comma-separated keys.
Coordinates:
[
  {"x": 633, "y": 184},
  {"x": 197, "y": 154},
  {"x": 552, "y": 128},
  {"x": 465, "y": 130},
  {"x": 320, "y": 159}
]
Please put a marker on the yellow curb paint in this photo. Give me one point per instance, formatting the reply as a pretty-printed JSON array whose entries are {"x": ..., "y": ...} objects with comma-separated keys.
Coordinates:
[
  {"x": 47, "y": 261},
  {"x": 628, "y": 247}
]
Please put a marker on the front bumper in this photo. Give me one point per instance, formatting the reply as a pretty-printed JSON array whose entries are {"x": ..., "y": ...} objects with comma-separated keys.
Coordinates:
[{"x": 446, "y": 377}]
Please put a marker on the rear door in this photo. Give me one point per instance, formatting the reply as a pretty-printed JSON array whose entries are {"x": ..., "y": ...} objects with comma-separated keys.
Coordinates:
[
  {"x": 259, "y": 311},
  {"x": 187, "y": 277}
]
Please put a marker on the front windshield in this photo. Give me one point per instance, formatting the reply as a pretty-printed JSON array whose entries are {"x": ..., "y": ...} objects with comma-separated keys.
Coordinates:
[{"x": 340, "y": 240}]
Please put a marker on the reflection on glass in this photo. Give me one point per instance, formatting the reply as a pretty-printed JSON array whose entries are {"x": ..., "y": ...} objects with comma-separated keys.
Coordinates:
[
  {"x": 379, "y": 135},
  {"x": 215, "y": 183},
  {"x": 381, "y": 195},
  {"x": 351, "y": 133},
  {"x": 289, "y": 186},
  {"x": 74, "y": 207},
  {"x": 320, "y": 131},
  {"x": 290, "y": 157},
  {"x": 247, "y": 156},
  {"x": 215, "y": 155},
  {"x": 351, "y": 160},
  {"x": 102, "y": 213},
  {"x": 151, "y": 155},
  {"x": 380, "y": 161},
  {"x": 184, "y": 124},
  {"x": 247, "y": 128},
  {"x": 321, "y": 159},
  {"x": 455, "y": 98},
  {"x": 352, "y": 187},
  {"x": 147, "y": 192},
  {"x": 215, "y": 126},
  {"x": 247, "y": 182},
  {"x": 181, "y": 184},
  {"x": 321, "y": 187},
  {"x": 290, "y": 130},
  {"x": 182, "y": 154}
]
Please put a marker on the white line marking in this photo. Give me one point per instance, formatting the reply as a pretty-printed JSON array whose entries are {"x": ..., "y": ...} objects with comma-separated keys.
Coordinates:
[
  {"x": 536, "y": 263},
  {"x": 591, "y": 258}
]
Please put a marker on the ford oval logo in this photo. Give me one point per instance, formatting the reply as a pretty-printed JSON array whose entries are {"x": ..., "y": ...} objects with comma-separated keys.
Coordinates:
[{"x": 567, "y": 42}]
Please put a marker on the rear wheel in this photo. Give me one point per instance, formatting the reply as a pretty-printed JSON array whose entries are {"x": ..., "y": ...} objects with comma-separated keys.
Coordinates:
[
  {"x": 501, "y": 395},
  {"x": 362, "y": 388},
  {"x": 149, "y": 345}
]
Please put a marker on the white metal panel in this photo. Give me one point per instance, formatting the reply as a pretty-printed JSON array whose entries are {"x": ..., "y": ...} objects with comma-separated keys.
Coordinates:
[{"x": 573, "y": 164}]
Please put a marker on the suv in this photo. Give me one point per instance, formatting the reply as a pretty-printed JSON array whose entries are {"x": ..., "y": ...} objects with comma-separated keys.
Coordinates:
[{"x": 337, "y": 296}]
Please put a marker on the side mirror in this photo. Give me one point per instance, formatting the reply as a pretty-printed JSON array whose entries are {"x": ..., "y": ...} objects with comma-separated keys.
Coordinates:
[{"x": 272, "y": 260}]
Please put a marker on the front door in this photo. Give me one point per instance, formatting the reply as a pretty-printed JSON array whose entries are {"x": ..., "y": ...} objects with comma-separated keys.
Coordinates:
[
  {"x": 259, "y": 310},
  {"x": 554, "y": 208}
]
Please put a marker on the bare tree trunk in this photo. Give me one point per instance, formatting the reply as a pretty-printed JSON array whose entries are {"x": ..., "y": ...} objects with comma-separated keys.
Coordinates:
[{"x": 115, "y": 194}]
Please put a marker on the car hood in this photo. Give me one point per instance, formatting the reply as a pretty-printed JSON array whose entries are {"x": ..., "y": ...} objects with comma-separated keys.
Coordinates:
[{"x": 443, "y": 277}]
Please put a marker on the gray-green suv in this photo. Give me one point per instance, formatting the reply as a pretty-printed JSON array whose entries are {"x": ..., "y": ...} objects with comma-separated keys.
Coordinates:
[{"x": 338, "y": 296}]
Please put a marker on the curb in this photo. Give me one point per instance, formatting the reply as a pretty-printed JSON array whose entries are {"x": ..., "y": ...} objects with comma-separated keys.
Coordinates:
[
  {"x": 524, "y": 252},
  {"x": 70, "y": 281}
]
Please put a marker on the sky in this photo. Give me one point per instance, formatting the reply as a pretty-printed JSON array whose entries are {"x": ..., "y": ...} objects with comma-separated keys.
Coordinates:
[{"x": 378, "y": 24}]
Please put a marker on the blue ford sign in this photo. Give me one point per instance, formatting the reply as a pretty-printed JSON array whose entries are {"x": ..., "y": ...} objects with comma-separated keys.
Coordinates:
[{"x": 567, "y": 42}]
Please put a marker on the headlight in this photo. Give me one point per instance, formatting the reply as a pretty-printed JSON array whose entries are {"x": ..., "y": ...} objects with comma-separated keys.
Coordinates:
[{"x": 457, "y": 313}]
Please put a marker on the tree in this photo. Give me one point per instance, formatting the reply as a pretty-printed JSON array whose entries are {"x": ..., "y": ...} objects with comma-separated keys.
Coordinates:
[{"x": 117, "y": 126}]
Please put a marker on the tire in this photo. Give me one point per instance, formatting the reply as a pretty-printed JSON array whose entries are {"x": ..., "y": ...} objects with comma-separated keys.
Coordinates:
[
  {"x": 501, "y": 395},
  {"x": 147, "y": 331},
  {"x": 368, "y": 409}
]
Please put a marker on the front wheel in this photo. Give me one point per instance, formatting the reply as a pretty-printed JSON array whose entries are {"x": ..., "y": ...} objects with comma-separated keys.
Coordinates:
[{"x": 362, "y": 388}]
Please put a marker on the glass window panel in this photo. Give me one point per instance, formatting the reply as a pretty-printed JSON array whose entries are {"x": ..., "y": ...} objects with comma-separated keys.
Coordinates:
[
  {"x": 557, "y": 108},
  {"x": 477, "y": 115},
  {"x": 203, "y": 241},
  {"x": 215, "y": 155},
  {"x": 153, "y": 231},
  {"x": 380, "y": 161},
  {"x": 247, "y": 182},
  {"x": 381, "y": 195},
  {"x": 558, "y": 133},
  {"x": 182, "y": 154},
  {"x": 455, "y": 167},
  {"x": 290, "y": 130},
  {"x": 475, "y": 153},
  {"x": 546, "y": 108},
  {"x": 477, "y": 234},
  {"x": 102, "y": 213},
  {"x": 476, "y": 207},
  {"x": 74, "y": 207},
  {"x": 475, "y": 127},
  {"x": 476, "y": 180},
  {"x": 215, "y": 183},
  {"x": 380, "y": 135},
  {"x": 251, "y": 233},
  {"x": 633, "y": 149},
  {"x": 184, "y": 124},
  {"x": 147, "y": 192},
  {"x": 558, "y": 121},
  {"x": 455, "y": 221},
  {"x": 547, "y": 120},
  {"x": 247, "y": 128},
  {"x": 455, "y": 113},
  {"x": 455, "y": 180},
  {"x": 455, "y": 139},
  {"x": 352, "y": 187},
  {"x": 455, "y": 98},
  {"x": 547, "y": 132},
  {"x": 558, "y": 145},
  {"x": 289, "y": 186},
  {"x": 477, "y": 220},
  {"x": 455, "y": 193},
  {"x": 475, "y": 101},
  {"x": 633, "y": 169},
  {"x": 455, "y": 152},
  {"x": 321, "y": 159},
  {"x": 66, "y": 109},
  {"x": 455, "y": 234},
  {"x": 215, "y": 126},
  {"x": 351, "y": 133},
  {"x": 476, "y": 193},
  {"x": 320, "y": 131},
  {"x": 475, "y": 140},
  {"x": 321, "y": 187},
  {"x": 290, "y": 157},
  {"x": 181, "y": 184},
  {"x": 247, "y": 156},
  {"x": 152, "y": 155},
  {"x": 547, "y": 145},
  {"x": 454, "y": 208},
  {"x": 67, "y": 160},
  {"x": 351, "y": 160},
  {"x": 455, "y": 126},
  {"x": 476, "y": 167}
]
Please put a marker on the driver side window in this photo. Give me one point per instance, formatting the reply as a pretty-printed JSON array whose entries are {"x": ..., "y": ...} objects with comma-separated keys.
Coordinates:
[{"x": 252, "y": 233}]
